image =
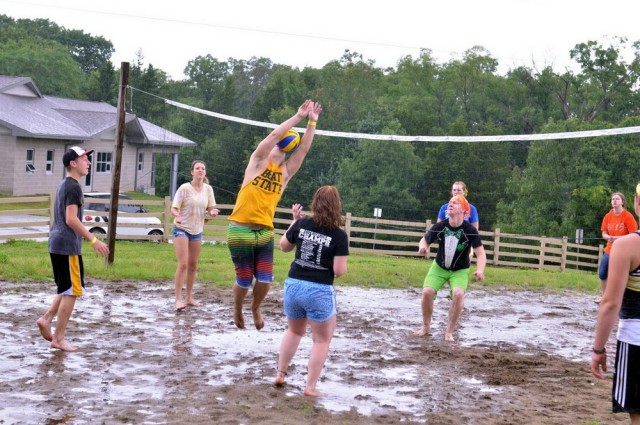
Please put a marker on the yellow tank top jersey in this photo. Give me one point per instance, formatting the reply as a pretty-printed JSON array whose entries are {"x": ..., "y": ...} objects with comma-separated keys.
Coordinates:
[{"x": 257, "y": 200}]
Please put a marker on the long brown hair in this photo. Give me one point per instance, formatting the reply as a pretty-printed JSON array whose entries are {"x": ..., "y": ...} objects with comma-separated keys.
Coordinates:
[
  {"x": 199, "y": 161},
  {"x": 327, "y": 207}
]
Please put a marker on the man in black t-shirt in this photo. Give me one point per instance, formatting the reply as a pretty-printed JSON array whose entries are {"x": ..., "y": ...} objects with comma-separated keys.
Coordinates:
[
  {"x": 455, "y": 238},
  {"x": 65, "y": 248}
]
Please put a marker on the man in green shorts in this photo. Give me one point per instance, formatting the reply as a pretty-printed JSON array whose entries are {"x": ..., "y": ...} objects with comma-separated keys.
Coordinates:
[{"x": 455, "y": 238}]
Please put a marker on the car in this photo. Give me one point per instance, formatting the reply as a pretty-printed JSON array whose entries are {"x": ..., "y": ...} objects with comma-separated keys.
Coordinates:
[{"x": 95, "y": 221}]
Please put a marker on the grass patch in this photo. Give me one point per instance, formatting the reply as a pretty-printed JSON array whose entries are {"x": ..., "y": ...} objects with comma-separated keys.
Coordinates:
[{"x": 28, "y": 261}]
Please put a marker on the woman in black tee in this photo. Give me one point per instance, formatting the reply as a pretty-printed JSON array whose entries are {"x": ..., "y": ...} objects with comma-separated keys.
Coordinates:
[{"x": 309, "y": 296}]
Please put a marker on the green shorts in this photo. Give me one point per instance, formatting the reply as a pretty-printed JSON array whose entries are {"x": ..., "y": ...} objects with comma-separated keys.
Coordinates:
[{"x": 437, "y": 276}]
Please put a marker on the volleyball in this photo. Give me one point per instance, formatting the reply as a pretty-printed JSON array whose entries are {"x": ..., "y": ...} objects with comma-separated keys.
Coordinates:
[{"x": 289, "y": 141}]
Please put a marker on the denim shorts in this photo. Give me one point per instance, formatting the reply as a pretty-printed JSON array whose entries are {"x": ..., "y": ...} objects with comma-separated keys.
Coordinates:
[
  {"x": 179, "y": 233},
  {"x": 603, "y": 270},
  {"x": 309, "y": 300}
]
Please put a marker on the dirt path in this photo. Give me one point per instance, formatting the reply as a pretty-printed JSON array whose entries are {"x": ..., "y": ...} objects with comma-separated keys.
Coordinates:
[{"x": 520, "y": 358}]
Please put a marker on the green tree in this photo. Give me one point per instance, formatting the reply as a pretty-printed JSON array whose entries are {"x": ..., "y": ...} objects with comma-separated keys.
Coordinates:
[
  {"x": 604, "y": 86},
  {"x": 47, "y": 62}
]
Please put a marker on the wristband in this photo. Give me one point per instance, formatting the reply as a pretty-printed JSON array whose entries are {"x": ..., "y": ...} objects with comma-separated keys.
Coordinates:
[
  {"x": 603, "y": 351},
  {"x": 93, "y": 241},
  {"x": 312, "y": 123}
]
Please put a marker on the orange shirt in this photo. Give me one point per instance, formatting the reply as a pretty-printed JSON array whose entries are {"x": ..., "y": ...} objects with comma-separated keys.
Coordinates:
[{"x": 618, "y": 225}]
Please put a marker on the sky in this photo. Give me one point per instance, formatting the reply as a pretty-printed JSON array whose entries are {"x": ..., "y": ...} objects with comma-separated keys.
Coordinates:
[{"x": 168, "y": 34}]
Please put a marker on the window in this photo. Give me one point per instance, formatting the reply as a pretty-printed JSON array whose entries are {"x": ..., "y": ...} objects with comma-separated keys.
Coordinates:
[
  {"x": 49, "y": 166},
  {"x": 140, "y": 161},
  {"x": 103, "y": 162},
  {"x": 31, "y": 154}
]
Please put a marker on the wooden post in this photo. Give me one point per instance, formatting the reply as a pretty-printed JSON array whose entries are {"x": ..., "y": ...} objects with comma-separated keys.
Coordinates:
[
  {"x": 563, "y": 261},
  {"x": 600, "y": 254},
  {"x": 347, "y": 228},
  {"x": 496, "y": 246},
  {"x": 115, "y": 183},
  {"x": 543, "y": 245},
  {"x": 167, "y": 227}
]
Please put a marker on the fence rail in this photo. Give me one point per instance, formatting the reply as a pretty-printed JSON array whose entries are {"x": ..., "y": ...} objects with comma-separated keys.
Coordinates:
[{"x": 370, "y": 235}]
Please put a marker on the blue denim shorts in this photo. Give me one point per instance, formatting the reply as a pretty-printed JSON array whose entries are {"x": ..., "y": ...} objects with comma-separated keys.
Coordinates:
[
  {"x": 309, "y": 300},
  {"x": 603, "y": 270},
  {"x": 179, "y": 233}
]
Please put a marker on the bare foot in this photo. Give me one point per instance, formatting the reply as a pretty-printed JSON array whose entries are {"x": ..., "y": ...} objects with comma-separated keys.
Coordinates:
[
  {"x": 312, "y": 393},
  {"x": 449, "y": 337},
  {"x": 193, "y": 303},
  {"x": 598, "y": 300},
  {"x": 180, "y": 306},
  {"x": 424, "y": 330},
  {"x": 280, "y": 379},
  {"x": 257, "y": 319},
  {"x": 62, "y": 345},
  {"x": 238, "y": 319},
  {"x": 45, "y": 328}
]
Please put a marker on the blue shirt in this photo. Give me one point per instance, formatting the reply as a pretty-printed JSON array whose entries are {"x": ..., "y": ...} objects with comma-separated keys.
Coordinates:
[{"x": 473, "y": 218}]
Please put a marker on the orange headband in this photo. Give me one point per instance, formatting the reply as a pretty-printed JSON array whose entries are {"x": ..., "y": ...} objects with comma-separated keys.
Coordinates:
[{"x": 464, "y": 204}]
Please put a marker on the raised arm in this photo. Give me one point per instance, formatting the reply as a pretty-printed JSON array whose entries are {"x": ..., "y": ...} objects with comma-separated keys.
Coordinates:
[
  {"x": 297, "y": 212},
  {"x": 295, "y": 161},
  {"x": 264, "y": 147}
]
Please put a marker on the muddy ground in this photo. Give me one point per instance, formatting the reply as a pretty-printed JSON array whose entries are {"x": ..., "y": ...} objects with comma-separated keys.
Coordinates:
[{"x": 519, "y": 358}]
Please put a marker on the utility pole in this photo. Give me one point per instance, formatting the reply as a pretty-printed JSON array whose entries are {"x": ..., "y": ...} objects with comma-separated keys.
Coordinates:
[{"x": 115, "y": 184}]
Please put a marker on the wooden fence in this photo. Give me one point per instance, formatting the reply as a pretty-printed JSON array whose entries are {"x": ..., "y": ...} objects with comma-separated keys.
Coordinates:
[{"x": 370, "y": 235}]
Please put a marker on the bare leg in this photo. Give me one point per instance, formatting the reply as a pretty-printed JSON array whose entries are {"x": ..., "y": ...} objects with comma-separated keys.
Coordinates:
[
  {"x": 603, "y": 286},
  {"x": 635, "y": 418},
  {"x": 181, "y": 247},
  {"x": 44, "y": 323},
  {"x": 239, "y": 293},
  {"x": 195, "y": 247},
  {"x": 67, "y": 303},
  {"x": 457, "y": 303},
  {"x": 427, "y": 311},
  {"x": 322, "y": 334},
  {"x": 260, "y": 291},
  {"x": 288, "y": 347}
]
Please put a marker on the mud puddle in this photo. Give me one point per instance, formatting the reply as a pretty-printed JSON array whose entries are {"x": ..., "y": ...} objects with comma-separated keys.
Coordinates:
[{"x": 141, "y": 362}]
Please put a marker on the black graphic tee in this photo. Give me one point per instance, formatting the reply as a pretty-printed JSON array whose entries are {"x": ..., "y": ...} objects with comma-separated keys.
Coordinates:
[
  {"x": 454, "y": 244},
  {"x": 315, "y": 248}
]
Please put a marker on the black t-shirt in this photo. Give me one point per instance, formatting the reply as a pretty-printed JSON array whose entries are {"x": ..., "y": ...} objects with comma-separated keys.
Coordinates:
[
  {"x": 315, "y": 248},
  {"x": 454, "y": 244},
  {"x": 63, "y": 239}
]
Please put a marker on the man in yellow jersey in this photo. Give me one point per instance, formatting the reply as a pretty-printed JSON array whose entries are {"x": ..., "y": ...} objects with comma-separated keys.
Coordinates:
[
  {"x": 65, "y": 248},
  {"x": 250, "y": 234}
]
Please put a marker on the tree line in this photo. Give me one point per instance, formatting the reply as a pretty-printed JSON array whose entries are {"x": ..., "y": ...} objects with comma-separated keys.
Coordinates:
[{"x": 538, "y": 188}]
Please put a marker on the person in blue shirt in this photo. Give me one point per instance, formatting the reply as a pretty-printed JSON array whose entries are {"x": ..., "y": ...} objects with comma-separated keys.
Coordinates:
[{"x": 459, "y": 188}]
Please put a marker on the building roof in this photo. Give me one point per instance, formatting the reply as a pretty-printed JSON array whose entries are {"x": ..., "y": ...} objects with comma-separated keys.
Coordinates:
[{"x": 29, "y": 113}]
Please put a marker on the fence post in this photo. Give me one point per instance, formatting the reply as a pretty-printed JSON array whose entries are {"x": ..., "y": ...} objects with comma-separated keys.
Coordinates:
[
  {"x": 600, "y": 254},
  {"x": 496, "y": 246},
  {"x": 168, "y": 225},
  {"x": 543, "y": 245},
  {"x": 347, "y": 228},
  {"x": 563, "y": 262}
]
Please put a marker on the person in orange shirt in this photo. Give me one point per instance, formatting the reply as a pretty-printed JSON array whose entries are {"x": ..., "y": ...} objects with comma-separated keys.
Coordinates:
[
  {"x": 617, "y": 222},
  {"x": 620, "y": 308}
]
